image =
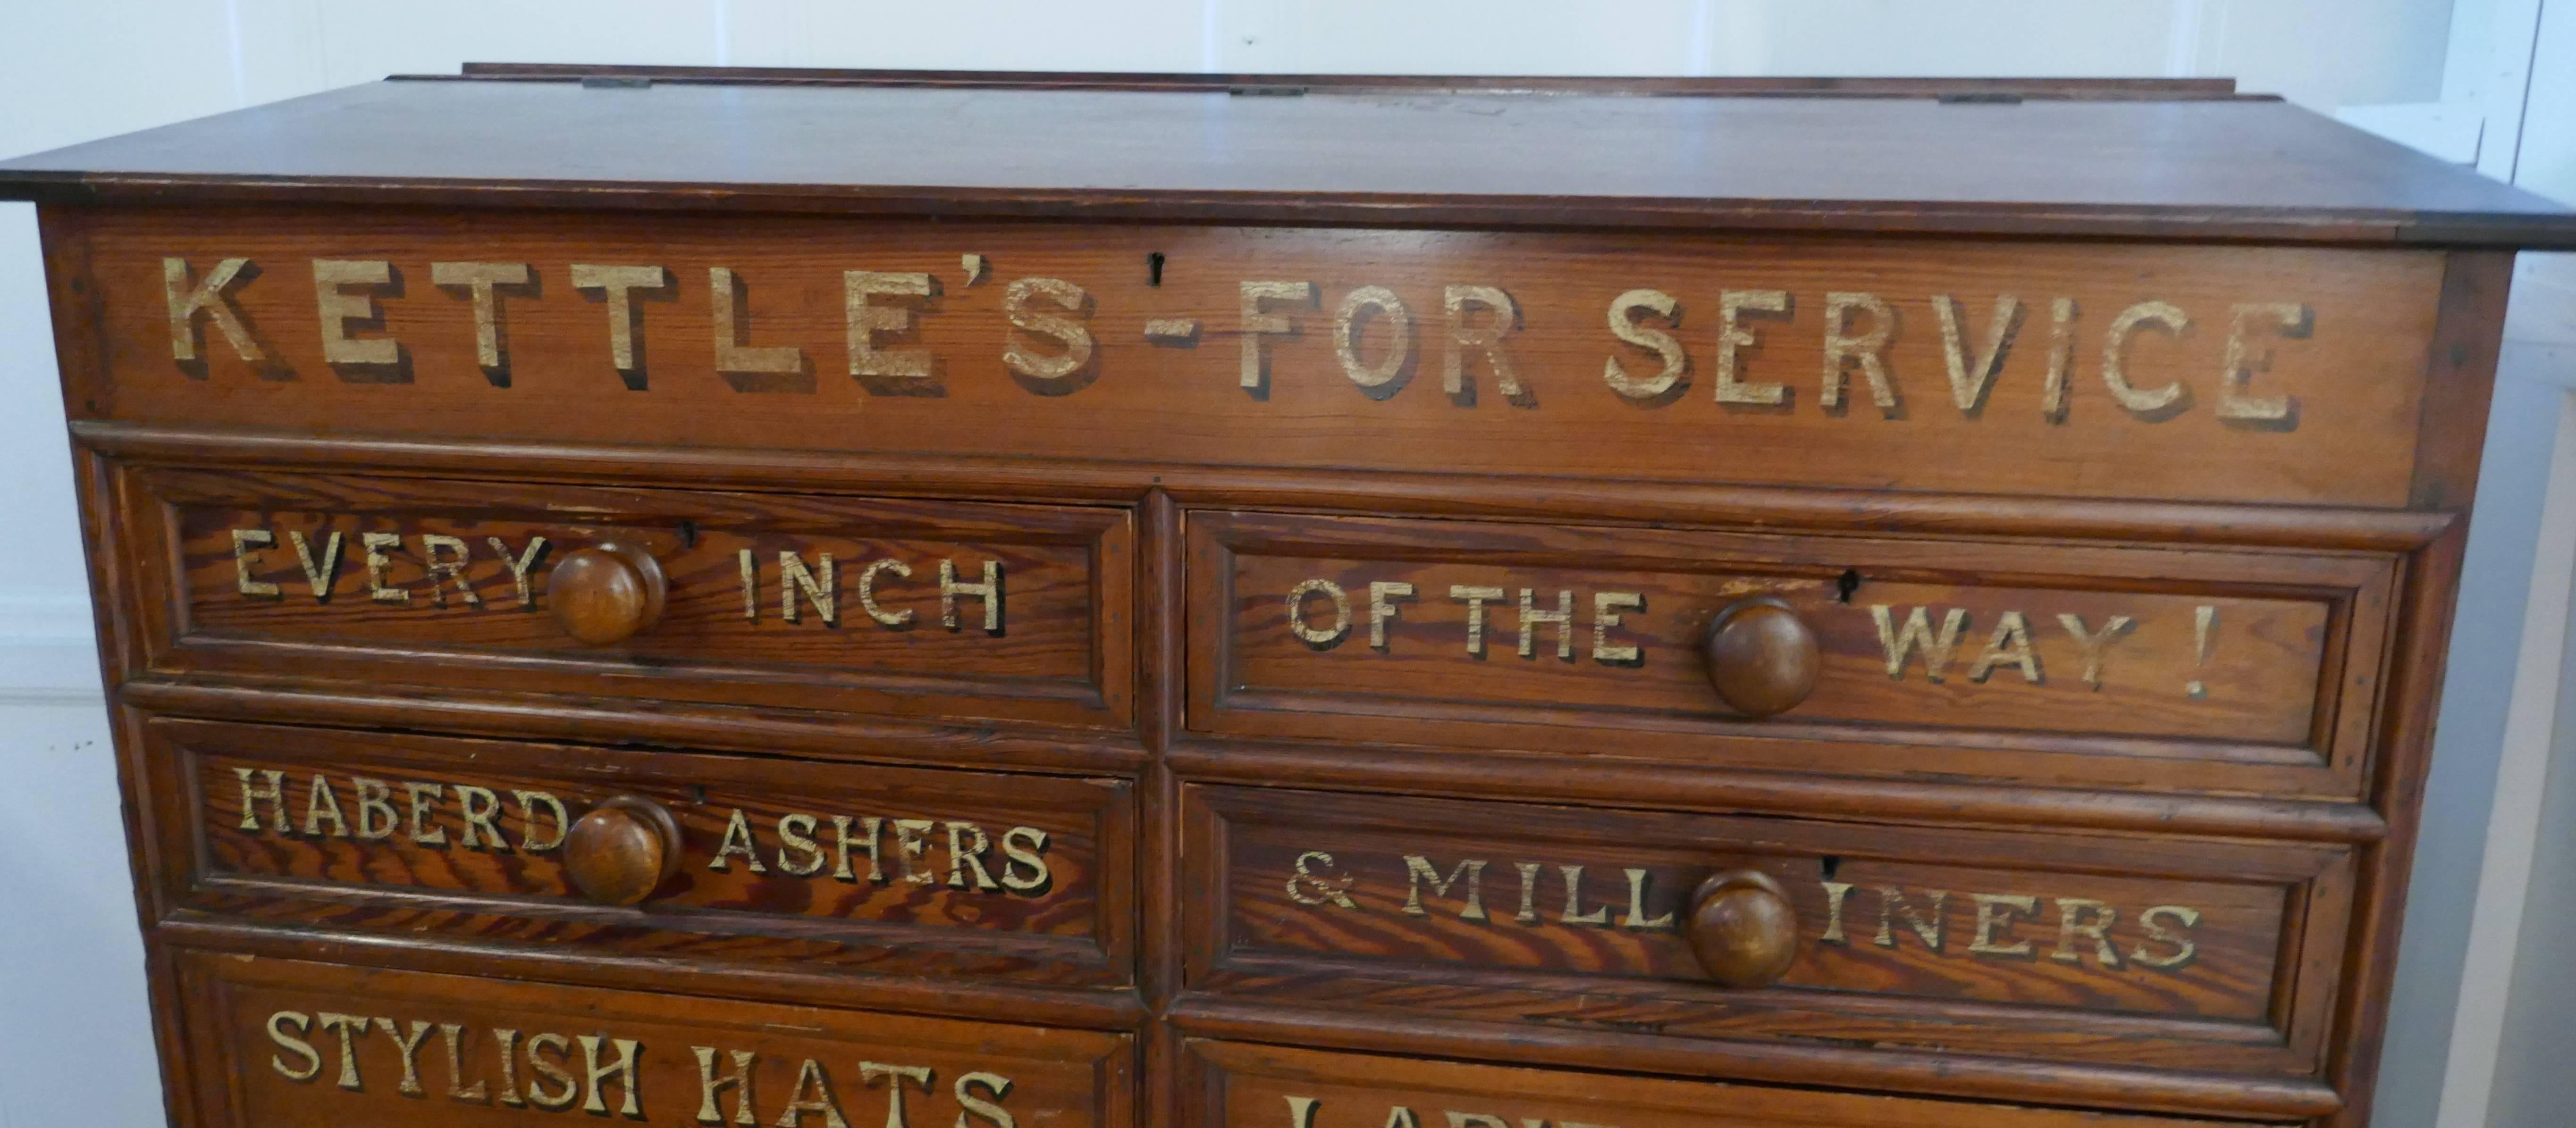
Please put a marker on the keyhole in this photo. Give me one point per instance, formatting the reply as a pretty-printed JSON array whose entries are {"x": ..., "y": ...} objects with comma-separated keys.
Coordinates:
[
  {"x": 1154, "y": 268},
  {"x": 1832, "y": 865},
  {"x": 1848, "y": 583}
]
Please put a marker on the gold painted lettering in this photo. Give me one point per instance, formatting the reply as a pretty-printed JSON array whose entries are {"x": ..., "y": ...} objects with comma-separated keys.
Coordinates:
[
  {"x": 521, "y": 565},
  {"x": 868, "y": 592},
  {"x": 2158, "y": 931},
  {"x": 1843, "y": 348},
  {"x": 292, "y": 1043},
  {"x": 810, "y": 1079},
  {"x": 990, "y": 1111},
  {"x": 2061, "y": 355},
  {"x": 413, "y": 796},
  {"x": 1892, "y": 903},
  {"x": 2094, "y": 647},
  {"x": 1970, "y": 377},
  {"x": 1733, "y": 335},
  {"x": 1836, "y": 892},
  {"x": 377, "y": 563},
  {"x": 246, "y": 558},
  {"x": 453, "y": 1035},
  {"x": 477, "y": 807},
  {"x": 990, "y": 591},
  {"x": 734, "y": 352},
  {"x": 817, "y": 583},
  {"x": 1311, "y": 888},
  {"x": 875, "y": 828},
  {"x": 339, "y": 305},
  {"x": 1636, "y": 919},
  {"x": 506, "y": 1041},
  {"x": 1529, "y": 872},
  {"x": 1487, "y": 339},
  {"x": 894, "y": 1076},
  {"x": 1320, "y": 639},
  {"x": 1398, "y": 325},
  {"x": 617, "y": 285},
  {"x": 967, "y": 845},
  {"x": 528, "y": 803},
  {"x": 2077, "y": 916},
  {"x": 1623, "y": 325},
  {"x": 867, "y": 319},
  {"x": 796, "y": 832},
  {"x": 376, "y": 818},
  {"x": 350, "y": 1028},
  {"x": 1381, "y": 609},
  {"x": 1259, "y": 322},
  {"x": 1562, "y": 618},
  {"x": 318, "y": 576},
  {"x": 1476, "y": 598},
  {"x": 1402, "y": 1117},
  {"x": 2235, "y": 401},
  {"x": 621, "y": 1071},
  {"x": 1070, "y": 335},
  {"x": 1418, "y": 869},
  {"x": 449, "y": 571},
  {"x": 410, "y": 1048},
  {"x": 1606, "y": 606},
  {"x": 482, "y": 282},
  {"x": 549, "y": 1071},
  {"x": 1477, "y": 1120},
  {"x": 1918, "y": 631},
  {"x": 710, "y": 1086},
  {"x": 1995, "y": 915},
  {"x": 1574, "y": 913},
  {"x": 2115, "y": 346},
  {"x": 274, "y": 793},
  {"x": 737, "y": 841},
  {"x": 1301, "y": 1112},
  {"x": 319, "y": 801},
  {"x": 210, "y": 298},
  {"x": 2010, "y": 646},
  {"x": 1024, "y": 848},
  {"x": 912, "y": 842}
]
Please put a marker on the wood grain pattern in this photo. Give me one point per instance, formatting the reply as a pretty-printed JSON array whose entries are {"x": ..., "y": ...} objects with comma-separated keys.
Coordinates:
[
  {"x": 1241, "y": 1085},
  {"x": 936, "y": 873},
  {"x": 2357, "y": 379},
  {"x": 1970, "y": 941},
  {"x": 291, "y": 1044},
  {"x": 1056, "y": 651},
  {"x": 2272, "y": 693}
]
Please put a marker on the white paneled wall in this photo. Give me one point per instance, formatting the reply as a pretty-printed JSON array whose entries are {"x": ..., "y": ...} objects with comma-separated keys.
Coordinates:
[{"x": 70, "y": 975}]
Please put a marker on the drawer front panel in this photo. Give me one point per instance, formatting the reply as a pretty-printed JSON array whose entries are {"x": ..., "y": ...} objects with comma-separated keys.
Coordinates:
[
  {"x": 2158, "y": 951},
  {"x": 2227, "y": 670},
  {"x": 920, "y": 608},
  {"x": 286, "y": 1044},
  {"x": 2085, "y": 369},
  {"x": 1252, "y": 1086},
  {"x": 809, "y": 866}
]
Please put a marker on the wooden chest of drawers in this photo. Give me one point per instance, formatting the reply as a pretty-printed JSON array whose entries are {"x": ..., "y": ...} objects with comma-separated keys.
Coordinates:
[{"x": 795, "y": 599}]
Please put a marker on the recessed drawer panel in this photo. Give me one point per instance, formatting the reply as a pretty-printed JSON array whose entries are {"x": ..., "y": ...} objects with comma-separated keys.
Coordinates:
[
  {"x": 1253, "y": 1086},
  {"x": 2161, "y": 952},
  {"x": 726, "y": 862},
  {"x": 2229, "y": 670},
  {"x": 280, "y": 1043},
  {"x": 916, "y": 608}
]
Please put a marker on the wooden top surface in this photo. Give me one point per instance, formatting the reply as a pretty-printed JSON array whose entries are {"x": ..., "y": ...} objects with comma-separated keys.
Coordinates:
[{"x": 2108, "y": 163}]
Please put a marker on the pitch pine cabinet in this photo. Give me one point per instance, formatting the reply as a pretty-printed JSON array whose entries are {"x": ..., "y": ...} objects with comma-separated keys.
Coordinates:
[{"x": 1084, "y": 601}]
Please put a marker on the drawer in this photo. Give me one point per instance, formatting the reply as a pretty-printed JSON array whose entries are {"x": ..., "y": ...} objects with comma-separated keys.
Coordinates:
[
  {"x": 914, "y": 608},
  {"x": 2160, "y": 953},
  {"x": 279, "y": 1043},
  {"x": 2196, "y": 669},
  {"x": 750, "y": 865},
  {"x": 1240, "y": 1085}
]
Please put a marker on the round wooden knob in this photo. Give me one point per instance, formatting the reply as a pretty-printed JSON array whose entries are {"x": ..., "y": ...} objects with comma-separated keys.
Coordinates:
[
  {"x": 1761, "y": 658},
  {"x": 606, "y": 593},
  {"x": 623, "y": 850},
  {"x": 1743, "y": 929}
]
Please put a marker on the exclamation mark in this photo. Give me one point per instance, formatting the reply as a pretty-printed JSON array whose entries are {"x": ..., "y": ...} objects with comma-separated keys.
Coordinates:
[{"x": 2204, "y": 619}]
